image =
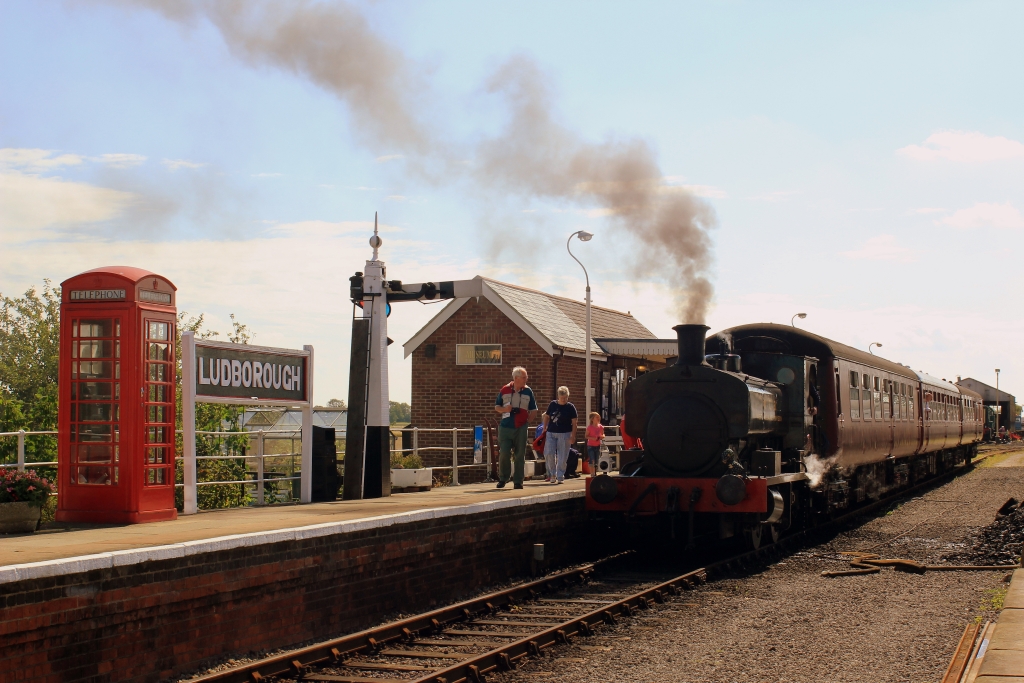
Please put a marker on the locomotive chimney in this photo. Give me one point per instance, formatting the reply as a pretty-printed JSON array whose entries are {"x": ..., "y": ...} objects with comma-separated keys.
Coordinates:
[{"x": 691, "y": 344}]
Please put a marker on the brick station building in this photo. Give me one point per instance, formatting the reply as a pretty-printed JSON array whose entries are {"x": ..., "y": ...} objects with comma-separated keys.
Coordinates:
[{"x": 462, "y": 357}]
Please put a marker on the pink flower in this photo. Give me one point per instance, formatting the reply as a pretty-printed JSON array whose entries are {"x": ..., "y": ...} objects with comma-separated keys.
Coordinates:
[
  {"x": 31, "y": 488},
  {"x": 9, "y": 489}
]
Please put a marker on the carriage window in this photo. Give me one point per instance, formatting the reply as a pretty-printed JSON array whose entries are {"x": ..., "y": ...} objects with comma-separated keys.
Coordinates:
[
  {"x": 854, "y": 402},
  {"x": 876, "y": 382},
  {"x": 877, "y": 401},
  {"x": 865, "y": 397},
  {"x": 867, "y": 382}
]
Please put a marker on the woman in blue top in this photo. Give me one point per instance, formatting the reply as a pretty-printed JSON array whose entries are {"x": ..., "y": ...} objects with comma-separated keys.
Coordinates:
[{"x": 560, "y": 424}]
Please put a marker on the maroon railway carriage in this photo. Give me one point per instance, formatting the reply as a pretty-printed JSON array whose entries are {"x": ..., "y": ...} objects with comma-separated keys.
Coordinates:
[{"x": 760, "y": 427}]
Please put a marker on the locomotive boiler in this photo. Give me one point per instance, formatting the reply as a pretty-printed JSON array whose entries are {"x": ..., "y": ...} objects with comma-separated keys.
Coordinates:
[{"x": 761, "y": 428}]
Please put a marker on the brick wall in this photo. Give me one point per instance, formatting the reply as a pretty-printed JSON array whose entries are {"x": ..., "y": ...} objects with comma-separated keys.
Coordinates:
[
  {"x": 164, "y": 618},
  {"x": 446, "y": 395}
]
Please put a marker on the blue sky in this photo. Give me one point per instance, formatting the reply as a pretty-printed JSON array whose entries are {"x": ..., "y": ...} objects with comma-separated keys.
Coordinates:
[{"x": 863, "y": 161}]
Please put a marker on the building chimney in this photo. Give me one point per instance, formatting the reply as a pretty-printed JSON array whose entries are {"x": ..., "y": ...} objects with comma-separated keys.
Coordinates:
[{"x": 691, "y": 343}]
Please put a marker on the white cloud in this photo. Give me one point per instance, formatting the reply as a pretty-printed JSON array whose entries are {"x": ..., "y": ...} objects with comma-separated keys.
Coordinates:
[
  {"x": 389, "y": 157},
  {"x": 177, "y": 164},
  {"x": 985, "y": 215},
  {"x": 36, "y": 160},
  {"x": 882, "y": 248},
  {"x": 120, "y": 160},
  {"x": 964, "y": 146},
  {"x": 774, "y": 197},
  {"x": 709, "y": 191},
  {"x": 267, "y": 175},
  {"x": 29, "y": 204}
]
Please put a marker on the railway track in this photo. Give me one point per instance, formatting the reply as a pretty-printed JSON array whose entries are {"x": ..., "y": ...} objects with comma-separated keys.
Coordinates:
[{"x": 465, "y": 642}]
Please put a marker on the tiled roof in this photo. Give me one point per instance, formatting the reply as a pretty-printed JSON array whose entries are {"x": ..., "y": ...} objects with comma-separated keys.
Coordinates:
[{"x": 563, "y": 321}]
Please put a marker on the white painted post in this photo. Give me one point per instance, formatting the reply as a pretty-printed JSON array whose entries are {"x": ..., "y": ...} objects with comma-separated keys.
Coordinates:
[
  {"x": 455, "y": 456},
  {"x": 259, "y": 467},
  {"x": 21, "y": 450},
  {"x": 416, "y": 441},
  {"x": 306, "y": 475},
  {"x": 188, "y": 420}
]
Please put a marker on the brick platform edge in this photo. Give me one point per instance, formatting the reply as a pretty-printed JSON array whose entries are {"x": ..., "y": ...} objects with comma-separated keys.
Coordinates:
[
  {"x": 1004, "y": 657},
  {"x": 155, "y": 613}
]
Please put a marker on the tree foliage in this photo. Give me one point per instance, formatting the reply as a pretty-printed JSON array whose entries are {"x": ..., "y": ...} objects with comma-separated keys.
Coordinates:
[
  {"x": 29, "y": 352},
  {"x": 400, "y": 412}
]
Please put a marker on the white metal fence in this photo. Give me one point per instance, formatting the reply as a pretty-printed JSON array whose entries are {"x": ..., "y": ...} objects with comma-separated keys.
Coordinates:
[
  {"x": 20, "y": 463},
  {"x": 256, "y": 446}
]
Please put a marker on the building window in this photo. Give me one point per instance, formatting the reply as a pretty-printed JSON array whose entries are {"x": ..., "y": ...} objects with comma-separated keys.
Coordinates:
[{"x": 478, "y": 354}]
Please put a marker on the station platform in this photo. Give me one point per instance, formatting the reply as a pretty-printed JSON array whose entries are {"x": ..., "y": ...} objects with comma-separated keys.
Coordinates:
[
  {"x": 153, "y": 602},
  {"x": 220, "y": 527},
  {"x": 1002, "y": 657}
]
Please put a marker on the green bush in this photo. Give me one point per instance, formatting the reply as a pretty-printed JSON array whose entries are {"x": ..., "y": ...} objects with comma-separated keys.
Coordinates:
[{"x": 408, "y": 462}]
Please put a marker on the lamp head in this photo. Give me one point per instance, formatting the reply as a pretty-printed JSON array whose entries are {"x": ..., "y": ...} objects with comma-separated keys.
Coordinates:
[
  {"x": 801, "y": 315},
  {"x": 585, "y": 236},
  {"x": 877, "y": 344}
]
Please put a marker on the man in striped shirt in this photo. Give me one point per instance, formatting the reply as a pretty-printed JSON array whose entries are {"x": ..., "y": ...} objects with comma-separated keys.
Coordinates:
[{"x": 517, "y": 404}]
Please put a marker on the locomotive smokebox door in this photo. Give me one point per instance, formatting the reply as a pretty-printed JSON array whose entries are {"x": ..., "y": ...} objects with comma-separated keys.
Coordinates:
[
  {"x": 115, "y": 443},
  {"x": 765, "y": 462}
]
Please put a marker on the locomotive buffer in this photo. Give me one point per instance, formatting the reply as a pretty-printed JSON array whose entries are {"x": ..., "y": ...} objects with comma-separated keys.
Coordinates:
[{"x": 367, "y": 443}]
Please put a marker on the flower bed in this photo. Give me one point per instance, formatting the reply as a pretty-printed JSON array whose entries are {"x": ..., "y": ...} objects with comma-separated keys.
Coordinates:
[{"x": 23, "y": 487}]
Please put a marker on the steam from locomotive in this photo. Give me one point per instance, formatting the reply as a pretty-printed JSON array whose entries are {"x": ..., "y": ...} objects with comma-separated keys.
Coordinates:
[{"x": 533, "y": 157}]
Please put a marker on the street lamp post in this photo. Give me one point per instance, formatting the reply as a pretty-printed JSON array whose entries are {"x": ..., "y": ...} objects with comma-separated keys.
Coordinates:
[
  {"x": 792, "y": 321},
  {"x": 584, "y": 236},
  {"x": 873, "y": 344},
  {"x": 999, "y": 408}
]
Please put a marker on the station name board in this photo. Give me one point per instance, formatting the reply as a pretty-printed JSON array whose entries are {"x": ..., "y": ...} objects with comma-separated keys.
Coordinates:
[
  {"x": 97, "y": 294},
  {"x": 238, "y": 373}
]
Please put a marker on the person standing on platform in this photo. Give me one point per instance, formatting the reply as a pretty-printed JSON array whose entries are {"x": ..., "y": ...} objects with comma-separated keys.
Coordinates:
[
  {"x": 516, "y": 403},
  {"x": 560, "y": 421},
  {"x": 595, "y": 439}
]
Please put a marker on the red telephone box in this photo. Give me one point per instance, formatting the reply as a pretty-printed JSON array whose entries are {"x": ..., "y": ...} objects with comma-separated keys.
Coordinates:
[{"x": 115, "y": 451}]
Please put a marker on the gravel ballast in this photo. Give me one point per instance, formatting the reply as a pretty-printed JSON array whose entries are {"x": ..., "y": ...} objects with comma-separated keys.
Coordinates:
[{"x": 787, "y": 623}]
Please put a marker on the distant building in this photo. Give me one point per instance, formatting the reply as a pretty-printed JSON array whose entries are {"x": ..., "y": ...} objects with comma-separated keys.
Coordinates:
[
  {"x": 992, "y": 397},
  {"x": 463, "y": 356},
  {"x": 282, "y": 420}
]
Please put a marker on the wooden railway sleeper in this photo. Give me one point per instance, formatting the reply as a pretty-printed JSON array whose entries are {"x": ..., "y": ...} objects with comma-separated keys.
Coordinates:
[{"x": 298, "y": 668}]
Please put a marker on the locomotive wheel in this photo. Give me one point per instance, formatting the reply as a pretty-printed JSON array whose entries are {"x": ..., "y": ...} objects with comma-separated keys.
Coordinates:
[
  {"x": 758, "y": 535},
  {"x": 752, "y": 536}
]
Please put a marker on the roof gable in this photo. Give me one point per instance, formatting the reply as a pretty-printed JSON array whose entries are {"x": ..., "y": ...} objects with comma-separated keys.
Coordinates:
[{"x": 553, "y": 322}]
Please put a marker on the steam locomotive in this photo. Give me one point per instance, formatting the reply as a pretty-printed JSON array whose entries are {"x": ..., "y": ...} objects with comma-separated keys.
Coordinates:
[{"x": 763, "y": 428}]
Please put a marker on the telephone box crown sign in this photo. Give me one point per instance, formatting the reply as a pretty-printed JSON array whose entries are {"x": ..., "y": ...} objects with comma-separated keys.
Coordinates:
[{"x": 111, "y": 284}]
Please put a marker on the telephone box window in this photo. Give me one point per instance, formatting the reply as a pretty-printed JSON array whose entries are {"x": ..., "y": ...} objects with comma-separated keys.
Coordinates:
[
  {"x": 95, "y": 408},
  {"x": 159, "y": 410}
]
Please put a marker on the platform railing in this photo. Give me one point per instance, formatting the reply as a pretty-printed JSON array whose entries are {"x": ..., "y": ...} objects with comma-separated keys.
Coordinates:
[
  {"x": 21, "y": 434},
  {"x": 257, "y": 441}
]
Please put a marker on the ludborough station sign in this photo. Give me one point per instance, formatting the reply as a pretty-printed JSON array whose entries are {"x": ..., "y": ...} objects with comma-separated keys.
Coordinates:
[
  {"x": 239, "y": 374},
  {"x": 233, "y": 371}
]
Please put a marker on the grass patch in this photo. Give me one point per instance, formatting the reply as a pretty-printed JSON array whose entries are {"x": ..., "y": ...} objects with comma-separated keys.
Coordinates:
[{"x": 992, "y": 601}]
